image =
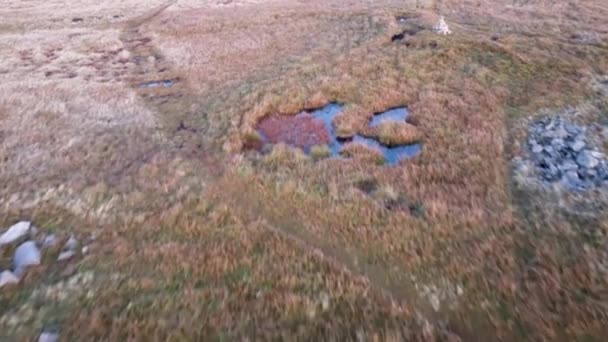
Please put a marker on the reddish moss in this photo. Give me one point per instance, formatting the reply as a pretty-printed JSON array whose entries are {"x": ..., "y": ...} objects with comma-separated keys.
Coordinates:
[{"x": 302, "y": 130}]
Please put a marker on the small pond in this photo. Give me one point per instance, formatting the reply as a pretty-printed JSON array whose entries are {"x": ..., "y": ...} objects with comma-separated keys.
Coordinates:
[{"x": 308, "y": 129}]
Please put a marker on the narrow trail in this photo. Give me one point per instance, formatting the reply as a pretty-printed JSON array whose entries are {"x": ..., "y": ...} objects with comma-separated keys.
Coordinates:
[{"x": 243, "y": 196}]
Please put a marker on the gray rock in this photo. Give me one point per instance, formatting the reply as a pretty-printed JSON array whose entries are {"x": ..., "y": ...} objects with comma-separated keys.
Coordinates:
[
  {"x": 49, "y": 241},
  {"x": 537, "y": 149},
  {"x": 568, "y": 165},
  {"x": 27, "y": 254},
  {"x": 560, "y": 133},
  {"x": 548, "y": 149},
  {"x": 586, "y": 159},
  {"x": 572, "y": 129},
  {"x": 7, "y": 277},
  {"x": 572, "y": 181},
  {"x": 597, "y": 154},
  {"x": 602, "y": 171},
  {"x": 557, "y": 143},
  {"x": 15, "y": 232},
  {"x": 71, "y": 244},
  {"x": 33, "y": 231},
  {"x": 65, "y": 255},
  {"x": 577, "y": 145},
  {"x": 590, "y": 174}
]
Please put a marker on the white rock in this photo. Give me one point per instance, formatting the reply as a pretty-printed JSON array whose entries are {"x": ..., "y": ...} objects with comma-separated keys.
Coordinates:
[
  {"x": 435, "y": 302},
  {"x": 65, "y": 255},
  {"x": 7, "y": 277},
  {"x": 442, "y": 27},
  {"x": 27, "y": 254},
  {"x": 71, "y": 244},
  {"x": 15, "y": 232},
  {"x": 48, "y": 337}
]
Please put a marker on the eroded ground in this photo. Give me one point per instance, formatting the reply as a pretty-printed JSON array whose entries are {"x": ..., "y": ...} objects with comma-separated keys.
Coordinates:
[{"x": 199, "y": 238}]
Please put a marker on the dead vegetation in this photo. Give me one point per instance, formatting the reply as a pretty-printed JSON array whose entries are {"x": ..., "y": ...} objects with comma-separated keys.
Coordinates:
[{"x": 202, "y": 240}]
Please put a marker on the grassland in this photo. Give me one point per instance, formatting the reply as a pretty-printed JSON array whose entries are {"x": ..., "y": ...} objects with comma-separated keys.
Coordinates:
[{"x": 200, "y": 239}]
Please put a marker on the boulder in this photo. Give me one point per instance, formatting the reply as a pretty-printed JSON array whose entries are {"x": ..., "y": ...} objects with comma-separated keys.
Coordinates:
[
  {"x": 15, "y": 232},
  {"x": 27, "y": 254},
  {"x": 7, "y": 277}
]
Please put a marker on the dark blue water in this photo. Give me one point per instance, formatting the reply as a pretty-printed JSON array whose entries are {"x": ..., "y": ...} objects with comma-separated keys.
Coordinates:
[
  {"x": 327, "y": 114},
  {"x": 392, "y": 154}
]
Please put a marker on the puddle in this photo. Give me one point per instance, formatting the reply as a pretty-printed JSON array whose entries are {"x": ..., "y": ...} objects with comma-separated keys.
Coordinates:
[
  {"x": 155, "y": 84},
  {"x": 392, "y": 154},
  {"x": 308, "y": 129},
  {"x": 395, "y": 115}
]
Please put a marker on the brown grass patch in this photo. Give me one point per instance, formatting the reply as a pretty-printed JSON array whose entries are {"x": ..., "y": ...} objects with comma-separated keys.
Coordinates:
[{"x": 202, "y": 243}]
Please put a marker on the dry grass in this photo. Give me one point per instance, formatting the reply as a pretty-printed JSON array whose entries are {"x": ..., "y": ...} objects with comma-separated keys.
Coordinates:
[
  {"x": 394, "y": 133},
  {"x": 200, "y": 243}
]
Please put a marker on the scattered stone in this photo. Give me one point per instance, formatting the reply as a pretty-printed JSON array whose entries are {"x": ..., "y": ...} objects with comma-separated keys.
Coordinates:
[
  {"x": 71, "y": 244},
  {"x": 435, "y": 303},
  {"x": 7, "y": 277},
  {"x": 15, "y": 232},
  {"x": 65, "y": 255},
  {"x": 49, "y": 241},
  {"x": 27, "y": 254},
  {"x": 48, "y": 337}
]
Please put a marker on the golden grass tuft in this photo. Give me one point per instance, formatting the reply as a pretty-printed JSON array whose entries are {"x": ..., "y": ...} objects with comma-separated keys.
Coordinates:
[
  {"x": 319, "y": 152},
  {"x": 362, "y": 153},
  {"x": 394, "y": 133},
  {"x": 351, "y": 121}
]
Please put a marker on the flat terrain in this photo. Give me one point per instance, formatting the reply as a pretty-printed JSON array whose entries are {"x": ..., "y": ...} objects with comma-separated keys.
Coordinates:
[{"x": 199, "y": 238}]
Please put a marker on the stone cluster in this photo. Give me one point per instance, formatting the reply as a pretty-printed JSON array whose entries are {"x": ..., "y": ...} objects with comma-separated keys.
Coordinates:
[
  {"x": 561, "y": 153},
  {"x": 29, "y": 242}
]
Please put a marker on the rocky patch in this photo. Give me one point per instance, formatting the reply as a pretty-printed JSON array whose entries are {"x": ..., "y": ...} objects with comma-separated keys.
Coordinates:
[
  {"x": 28, "y": 245},
  {"x": 561, "y": 152}
]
